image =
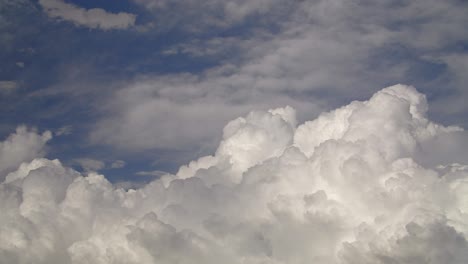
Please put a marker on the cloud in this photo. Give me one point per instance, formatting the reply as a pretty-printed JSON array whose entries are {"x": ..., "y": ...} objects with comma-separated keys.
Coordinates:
[
  {"x": 22, "y": 146},
  {"x": 96, "y": 18},
  {"x": 198, "y": 16},
  {"x": 324, "y": 54},
  {"x": 342, "y": 188},
  {"x": 176, "y": 112},
  {"x": 453, "y": 103},
  {"x": 8, "y": 86},
  {"x": 154, "y": 173},
  {"x": 64, "y": 130},
  {"x": 118, "y": 164},
  {"x": 93, "y": 165},
  {"x": 88, "y": 164}
]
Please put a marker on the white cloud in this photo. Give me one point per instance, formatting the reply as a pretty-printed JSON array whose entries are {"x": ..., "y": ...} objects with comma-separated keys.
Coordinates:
[
  {"x": 22, "y": 146},
  {"x": 343, "y": 188},
  {"x": 93, "y": 18}
]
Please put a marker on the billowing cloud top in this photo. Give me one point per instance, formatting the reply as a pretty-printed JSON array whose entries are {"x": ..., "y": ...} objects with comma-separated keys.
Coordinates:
[{"x": 346, "y": 187}]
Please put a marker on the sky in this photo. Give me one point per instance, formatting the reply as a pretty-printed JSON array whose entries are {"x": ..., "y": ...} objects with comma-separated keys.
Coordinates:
[{"x": 260, "y": 131}]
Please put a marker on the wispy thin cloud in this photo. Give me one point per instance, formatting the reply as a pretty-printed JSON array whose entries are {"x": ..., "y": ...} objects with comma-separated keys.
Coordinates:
[
  {"x": 97, "y": 18},
  {"x": 8, "y": 86}
]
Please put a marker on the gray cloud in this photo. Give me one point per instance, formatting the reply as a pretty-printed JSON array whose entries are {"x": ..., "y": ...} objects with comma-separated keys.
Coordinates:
[
  {"x": 198, "y": 16},
  {"x": 154, "y": 173},
  {"x": 180, "y": 112},
  {"x": 325, "y": 53},
  {"x": 93, "y": 18},
  {"x": 8, "y": 86},
  {"x": 88, "y": 164},
  {"x": 64, "y": 130},
  {"x": 117, "y": 164}
]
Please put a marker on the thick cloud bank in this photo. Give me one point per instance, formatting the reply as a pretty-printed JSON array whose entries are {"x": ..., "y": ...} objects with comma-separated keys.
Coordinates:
[{"x": 347, "y": 187}]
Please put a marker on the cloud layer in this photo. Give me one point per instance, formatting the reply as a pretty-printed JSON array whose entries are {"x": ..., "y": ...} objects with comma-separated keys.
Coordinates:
[
  {"x": 343, "y": 188},
  {"x": 322, "y": 54}
]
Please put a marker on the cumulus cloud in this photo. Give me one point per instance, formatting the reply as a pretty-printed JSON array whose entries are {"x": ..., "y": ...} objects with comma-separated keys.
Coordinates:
[
  {"x": 22, "y": 146},
  {"x": 92, "y": 18},
  {"x": 342, "y": 188}
]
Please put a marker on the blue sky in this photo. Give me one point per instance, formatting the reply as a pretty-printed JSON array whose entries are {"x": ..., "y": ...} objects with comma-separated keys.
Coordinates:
[{"x": 152, "y": 83}]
